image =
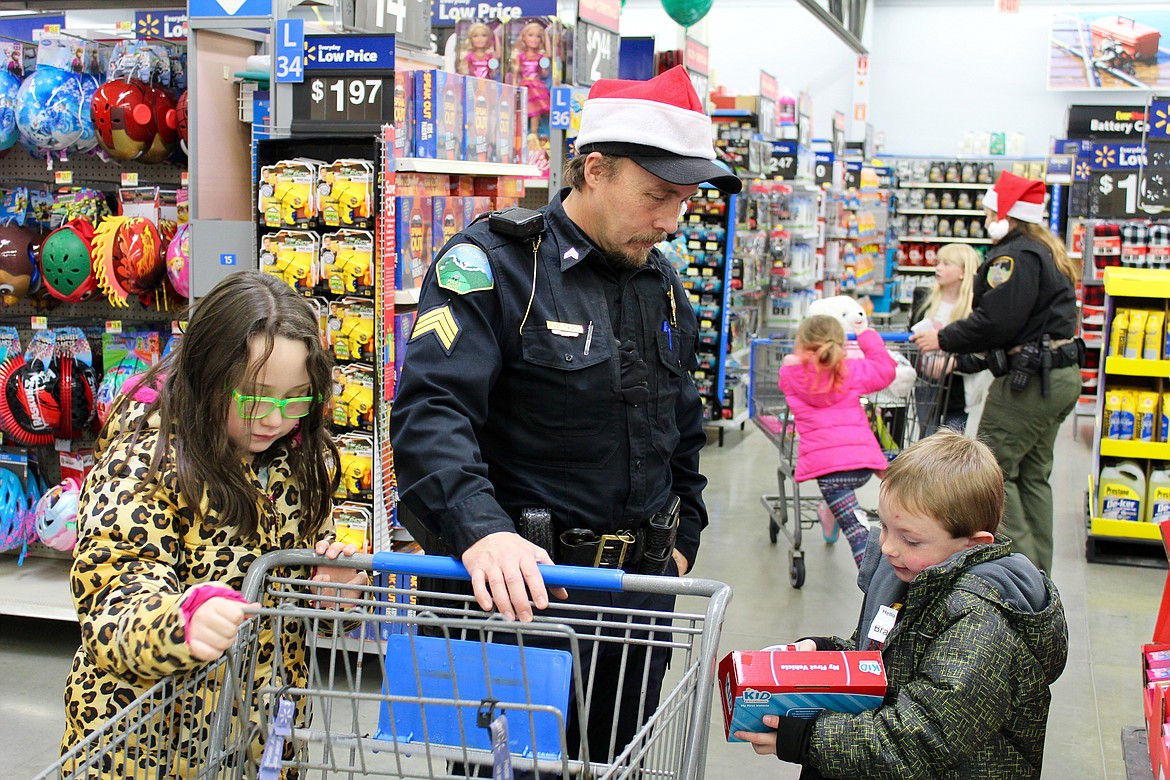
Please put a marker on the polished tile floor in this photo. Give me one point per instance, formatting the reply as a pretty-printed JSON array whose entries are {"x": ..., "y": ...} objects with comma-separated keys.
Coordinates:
[{"x": 1110, "y": 609}]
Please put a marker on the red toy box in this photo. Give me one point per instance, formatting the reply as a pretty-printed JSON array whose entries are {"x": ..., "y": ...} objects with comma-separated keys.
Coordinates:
[
  {"x": 798, "y": 684},
  {"x": 1140, "y": 41}
]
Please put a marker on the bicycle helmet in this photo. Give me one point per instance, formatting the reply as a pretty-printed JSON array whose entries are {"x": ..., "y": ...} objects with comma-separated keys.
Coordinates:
[
  {"x": 128, "y": 259},
  {"x": 123, "y": 119},
  {"x": 112, "y": 383},
  {"x": 41, "y": 402},
  {"x": 56, "y": 515},
  {"x": 166, "y": 136},
  {"x": 17, "y": 525},
  {"x": 66, "y": 263},
  {"x": 18, "y": 270}
]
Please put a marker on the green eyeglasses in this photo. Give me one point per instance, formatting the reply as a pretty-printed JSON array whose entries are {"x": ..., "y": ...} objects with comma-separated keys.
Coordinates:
[{"x": 254, "y": 407}]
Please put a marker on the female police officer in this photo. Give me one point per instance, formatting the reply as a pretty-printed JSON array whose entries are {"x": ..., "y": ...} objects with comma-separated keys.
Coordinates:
[{"x": 1024, "y": 319}]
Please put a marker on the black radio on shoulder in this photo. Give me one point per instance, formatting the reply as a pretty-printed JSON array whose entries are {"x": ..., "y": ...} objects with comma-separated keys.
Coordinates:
[{"x": 517, "y": 222}]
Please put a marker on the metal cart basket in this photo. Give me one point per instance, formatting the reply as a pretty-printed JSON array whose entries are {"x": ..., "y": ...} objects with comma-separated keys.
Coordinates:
[
  {"x": 403, "y": 680},
  {"x": 896, "y": 419}
]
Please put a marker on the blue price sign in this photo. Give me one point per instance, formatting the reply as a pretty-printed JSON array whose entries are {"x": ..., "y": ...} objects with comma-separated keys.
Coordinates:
[
  {"x": 562, "y": 99},
  {"x": 227, "y": 259},
  {"x": 290, "y": 51}
]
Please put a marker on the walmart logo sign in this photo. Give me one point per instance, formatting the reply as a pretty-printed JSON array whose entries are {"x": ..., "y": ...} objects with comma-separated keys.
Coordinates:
[
  {"x": 156, "y": 24},
  {"x": 349, "y": 51}
]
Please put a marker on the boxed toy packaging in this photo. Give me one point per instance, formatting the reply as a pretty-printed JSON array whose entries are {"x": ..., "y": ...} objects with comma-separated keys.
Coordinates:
[
  {"x": 438, "y": 105},
  {"x": 404, "y": 117},
  {"x": 479, "y": 48},
  {"x": 799, "y": 684},
  {"x": 481, "y": 107},
  {"x": 447, "y": 220},
  {"x": 413, "y": 215}
]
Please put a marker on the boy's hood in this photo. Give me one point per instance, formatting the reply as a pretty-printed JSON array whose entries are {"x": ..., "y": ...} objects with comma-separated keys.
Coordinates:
[{"x": 1010, "y": 581}]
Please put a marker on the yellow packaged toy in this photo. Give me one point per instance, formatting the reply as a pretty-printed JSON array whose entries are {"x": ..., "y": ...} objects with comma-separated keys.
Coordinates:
[
  {"x": 352, "y": 323},
  {"x": 293, "y": 256},
  {"x": 288, "y": 195},
  {"x": 347, "y": 262},
  {"x": 346, "y": 191}
]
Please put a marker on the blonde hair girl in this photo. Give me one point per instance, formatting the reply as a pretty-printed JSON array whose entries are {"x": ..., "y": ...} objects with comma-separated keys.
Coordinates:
[
  {"x": 820, "y": 344},
  {"x": 954, "y": 283}
]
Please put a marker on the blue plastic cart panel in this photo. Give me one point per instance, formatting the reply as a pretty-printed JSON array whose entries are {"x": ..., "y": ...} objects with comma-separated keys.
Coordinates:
[{"x": 479, "y": 671}]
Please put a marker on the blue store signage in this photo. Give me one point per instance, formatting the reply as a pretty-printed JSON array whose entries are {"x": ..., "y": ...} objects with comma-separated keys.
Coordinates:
[
  {"x": 349, "y": 52},
  {"x": 448, "y": 12},
  {"x": 221, "y": 8},
  {"x": 170, "y": 25}
]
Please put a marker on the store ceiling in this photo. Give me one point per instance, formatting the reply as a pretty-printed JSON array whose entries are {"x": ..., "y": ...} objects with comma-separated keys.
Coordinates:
[{"x": 845, "y": 18}]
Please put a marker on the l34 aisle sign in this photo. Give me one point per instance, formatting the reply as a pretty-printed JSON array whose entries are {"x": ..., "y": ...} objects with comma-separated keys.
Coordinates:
[{"x": 229, "y": 8}]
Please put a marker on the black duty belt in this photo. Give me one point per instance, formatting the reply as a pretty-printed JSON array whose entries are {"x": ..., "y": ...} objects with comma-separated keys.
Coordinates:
[{"x": 583, "y": 547}]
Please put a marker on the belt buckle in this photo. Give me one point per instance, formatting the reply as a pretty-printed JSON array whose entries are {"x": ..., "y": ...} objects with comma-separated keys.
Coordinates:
[{"x": 612, "y": 545}]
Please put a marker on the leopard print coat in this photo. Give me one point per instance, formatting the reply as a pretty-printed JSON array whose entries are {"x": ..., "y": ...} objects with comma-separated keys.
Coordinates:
[{"x": 137, "y": 557}]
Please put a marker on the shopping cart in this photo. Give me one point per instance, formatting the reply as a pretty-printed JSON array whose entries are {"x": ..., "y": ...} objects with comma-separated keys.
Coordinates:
[
  {"x": 431, "y": 687},
  {"x": 895, "y": 418}
]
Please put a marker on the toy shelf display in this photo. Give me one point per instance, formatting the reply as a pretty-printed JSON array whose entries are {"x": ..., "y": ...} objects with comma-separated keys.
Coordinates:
[
  {"x": 1129, "y": 483},
  {"x": 937, "y": 202},
  {"x": 702, "y": 253}
]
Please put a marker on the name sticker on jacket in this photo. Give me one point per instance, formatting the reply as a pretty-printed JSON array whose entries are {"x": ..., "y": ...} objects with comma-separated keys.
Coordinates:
[
  {"x": 567, "y": 329},
  {"x": 883, "y": 622},
  {"x": 439, "y": 321},
  {"x": 1000, "y": 270},
  {"x": 464, "y": 268}
]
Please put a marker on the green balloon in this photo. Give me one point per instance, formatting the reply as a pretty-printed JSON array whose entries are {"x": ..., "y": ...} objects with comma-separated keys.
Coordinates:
[{"x": 687, "y": 12}]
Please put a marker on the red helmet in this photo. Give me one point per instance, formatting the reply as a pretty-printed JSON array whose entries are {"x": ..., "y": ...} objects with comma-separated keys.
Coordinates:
[
  {"x": 165, "y": 119},
  {"x": 128, "y": 258},
  {"x": 123, "y": 118},
  {"x": 181, "y": 118}
]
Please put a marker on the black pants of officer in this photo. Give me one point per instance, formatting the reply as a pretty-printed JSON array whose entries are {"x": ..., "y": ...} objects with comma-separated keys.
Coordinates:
[{"x": 626, "y": 685}]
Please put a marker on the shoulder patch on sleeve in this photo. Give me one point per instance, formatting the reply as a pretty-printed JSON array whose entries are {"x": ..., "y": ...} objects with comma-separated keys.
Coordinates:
[
  {"x": 464, "y": 268},
  {"x": 1000, "y": 270},
  {"x": 439, "y": 321}
]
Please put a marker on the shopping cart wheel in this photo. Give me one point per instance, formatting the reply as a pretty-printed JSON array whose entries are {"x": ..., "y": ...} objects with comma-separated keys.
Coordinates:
[
  {"x": 795, "y": 569},
  {"x": 773, "y": 531}
]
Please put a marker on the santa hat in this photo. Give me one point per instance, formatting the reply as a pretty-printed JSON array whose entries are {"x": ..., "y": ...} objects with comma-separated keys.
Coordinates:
[
  {"x": 659, "y": 124},
  {"x": 1016, "y": 197}
]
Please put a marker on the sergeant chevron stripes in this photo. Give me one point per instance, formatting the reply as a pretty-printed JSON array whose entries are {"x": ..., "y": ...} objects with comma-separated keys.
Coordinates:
[{"x": 439, "y": 321}]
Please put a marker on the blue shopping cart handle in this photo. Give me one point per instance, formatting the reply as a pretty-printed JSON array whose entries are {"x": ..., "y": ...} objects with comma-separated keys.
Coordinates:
[
  {"x": 885, "y": 336},
  {"x": 443, "y": 567}
]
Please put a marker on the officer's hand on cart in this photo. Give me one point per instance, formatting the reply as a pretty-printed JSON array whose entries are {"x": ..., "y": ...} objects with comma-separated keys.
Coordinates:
[
  {"x": 503, "y": 573},
  {"x": 212, "y": 628},
  {"x": 332, "y": 550}
]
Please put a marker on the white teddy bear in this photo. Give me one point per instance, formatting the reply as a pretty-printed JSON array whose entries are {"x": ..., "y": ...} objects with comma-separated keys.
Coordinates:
[{"x": 853, "y": 319}]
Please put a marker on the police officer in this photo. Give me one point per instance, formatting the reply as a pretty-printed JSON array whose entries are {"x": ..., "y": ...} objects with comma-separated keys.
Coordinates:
[
  {"x": 547, "y": 373},
  {"x": 1023, "y": 321}
]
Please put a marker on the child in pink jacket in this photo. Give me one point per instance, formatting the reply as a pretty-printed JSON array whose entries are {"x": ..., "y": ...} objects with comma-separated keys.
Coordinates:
[{"x": 836, "y": 447}]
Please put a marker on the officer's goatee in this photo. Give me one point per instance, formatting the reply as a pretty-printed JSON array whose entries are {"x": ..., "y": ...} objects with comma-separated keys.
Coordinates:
[{"x": 628, "y": 261}]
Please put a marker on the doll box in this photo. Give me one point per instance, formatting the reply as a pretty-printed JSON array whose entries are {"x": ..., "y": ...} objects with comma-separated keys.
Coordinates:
[
  {"x": 438, "y": 104},
  {"x": 800, "y": 684},
  {"x": 1140, "y": 41}
]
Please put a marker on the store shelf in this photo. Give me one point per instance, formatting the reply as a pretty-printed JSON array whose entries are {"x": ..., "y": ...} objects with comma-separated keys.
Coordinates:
[
  {"x": 407, "y": 297},
  {"x": 1135, "y": 367},
  {"x": 943, "y": 240},
  {"x": 944, "y": 212},
  {"x": 38, "y": 589},
  {"x": 463, "y": 167},
  {"x": 935, "y": 185},
  {"x": 1116, "y": 448},
  {"x": 1125, "y": 529},
  {"x": 1137, "y": 282}
]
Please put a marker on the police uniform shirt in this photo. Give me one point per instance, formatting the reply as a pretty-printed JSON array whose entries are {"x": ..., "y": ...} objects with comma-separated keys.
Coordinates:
[
  {"x": 590, "y": 411},
  {"x": 1019, "y": 296}
]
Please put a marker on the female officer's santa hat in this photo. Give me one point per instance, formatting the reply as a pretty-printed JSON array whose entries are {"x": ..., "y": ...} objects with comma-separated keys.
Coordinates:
[
  {"x": 1016, "y": 197},
  {"x": 659, "y": 124}
]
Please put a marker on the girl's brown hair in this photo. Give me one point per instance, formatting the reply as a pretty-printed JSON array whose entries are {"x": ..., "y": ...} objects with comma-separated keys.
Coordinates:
[
  {"x": 820, "y": 341},
  {"x": 195, "y": 384}
]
